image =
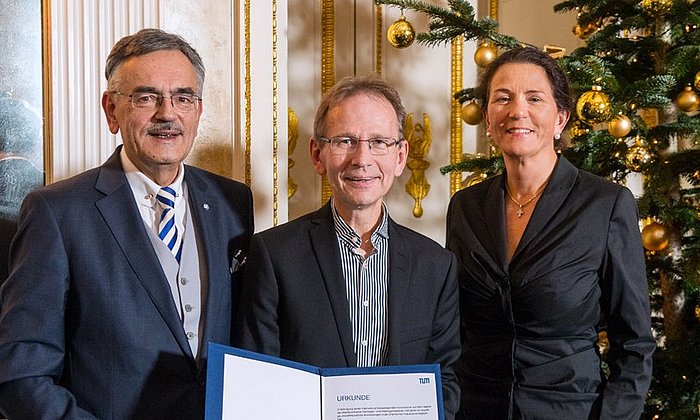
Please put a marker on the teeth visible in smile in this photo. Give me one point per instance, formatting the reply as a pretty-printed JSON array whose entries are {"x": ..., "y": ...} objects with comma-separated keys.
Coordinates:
[{"x": 520, "y": 130}]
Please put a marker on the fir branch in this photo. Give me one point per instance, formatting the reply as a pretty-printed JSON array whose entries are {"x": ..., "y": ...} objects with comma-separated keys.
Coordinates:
[
  {"x": 472, "y": 163},
  {"x": 445, "y": 24},
  {"x": 465, "y": 95},
  {"x": 683, "y": 62}
]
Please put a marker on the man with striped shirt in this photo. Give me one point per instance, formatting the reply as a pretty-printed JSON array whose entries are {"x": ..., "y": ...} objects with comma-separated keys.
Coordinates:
[{"x": 346, "y": 285}]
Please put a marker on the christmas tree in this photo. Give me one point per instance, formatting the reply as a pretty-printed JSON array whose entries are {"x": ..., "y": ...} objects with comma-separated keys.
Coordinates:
[{"x": 636, "y": 82}]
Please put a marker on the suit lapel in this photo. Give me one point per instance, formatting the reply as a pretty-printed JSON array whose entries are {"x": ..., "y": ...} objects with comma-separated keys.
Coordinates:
[
  {"x": 399, "y": 277},
  {"x": 494, "y": 222},
  {"x": 205, "y": 212},
  {"x": 324, "y": 243},
  {"x": 561, "y": 182},
  {"x": 122, "y": 217}
]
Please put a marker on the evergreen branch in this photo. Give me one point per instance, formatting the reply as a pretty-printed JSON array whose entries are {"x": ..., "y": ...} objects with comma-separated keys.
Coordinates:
[
  {"x": 445, "y": 24},
  {"x": 683, "y": 62},
  {"x": 464, "y": 95},
  {"x": 471, "y": 163}
]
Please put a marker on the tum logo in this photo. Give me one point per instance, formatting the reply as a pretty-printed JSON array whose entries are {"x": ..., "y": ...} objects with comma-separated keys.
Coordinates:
[{"x": 423, "y": 380}]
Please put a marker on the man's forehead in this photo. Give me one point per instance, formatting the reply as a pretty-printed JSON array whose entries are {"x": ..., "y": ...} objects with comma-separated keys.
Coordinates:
[{"x": 157, "y": 68}]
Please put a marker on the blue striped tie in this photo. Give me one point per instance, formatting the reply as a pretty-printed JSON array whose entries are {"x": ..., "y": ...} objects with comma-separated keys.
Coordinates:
[{"x": 167, "y": 231}]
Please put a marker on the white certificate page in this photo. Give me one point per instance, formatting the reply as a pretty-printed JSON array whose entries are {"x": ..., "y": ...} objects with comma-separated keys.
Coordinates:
[
  {"x": 259, "y": 390},
  {"x": 397, "y": 396}
]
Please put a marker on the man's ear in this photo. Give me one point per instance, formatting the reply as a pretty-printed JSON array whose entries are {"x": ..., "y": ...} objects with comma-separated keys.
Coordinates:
[
  {"x": 109, "y": 108},
  {"x": 315, "y": 152}
]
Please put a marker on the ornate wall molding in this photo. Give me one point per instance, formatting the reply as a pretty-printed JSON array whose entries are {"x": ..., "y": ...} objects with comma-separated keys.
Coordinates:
[
  {"x": 419, "y": 137},
  {"x": 455, "y": 114}
]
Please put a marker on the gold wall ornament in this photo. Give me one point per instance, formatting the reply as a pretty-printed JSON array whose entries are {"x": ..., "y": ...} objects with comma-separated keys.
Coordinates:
[
  {"x": 378, "y": 38},
  {"x": 275, "y": 114},
  {"x": 474, "y": 178},
  {"x": 292, "y": 137},
  {"x": 419, "y": 138},
  {"x": 327, "y": 67},
  {"x": 554, "y": 51},
  {"x": 456, "y": 113},
  {"x": 47, "y": 90},
  {"x": 247, "y": 90}
]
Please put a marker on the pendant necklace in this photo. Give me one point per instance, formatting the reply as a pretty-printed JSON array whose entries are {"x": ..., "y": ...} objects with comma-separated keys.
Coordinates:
[{"x": 520, "y": 205}]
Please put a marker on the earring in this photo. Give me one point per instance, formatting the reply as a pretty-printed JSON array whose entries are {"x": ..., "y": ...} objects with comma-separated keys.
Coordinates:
[
  {"x": 488, "y": 133},
  {"x": 557, "y": 136}
]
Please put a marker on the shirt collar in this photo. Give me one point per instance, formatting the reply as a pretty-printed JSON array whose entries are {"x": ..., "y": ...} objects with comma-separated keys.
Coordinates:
[
  {"x": 144, "y": 188},
  {"x": 348, "y": 234}
]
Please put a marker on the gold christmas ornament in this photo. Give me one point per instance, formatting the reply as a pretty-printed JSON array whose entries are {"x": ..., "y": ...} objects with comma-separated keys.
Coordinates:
[
  {"x": 696, "y": 83},
  {"x": 401, "y": 33},
  {"x": 471, "y": 113},
  {"x": 656, "y": 7},
  {"x": 620, "y": 126},
  {"x": 579, "y": 128},
  {"x": 584, "y": 32},
  {"x": 638, "y": 156},
  {"x": 655, "y": 236},
  {"x": 593, "y": 107},
  {"x": 688, "y": 100},
  {"x": 697, "y": 316},
  {"x": 485, "y": 54}
]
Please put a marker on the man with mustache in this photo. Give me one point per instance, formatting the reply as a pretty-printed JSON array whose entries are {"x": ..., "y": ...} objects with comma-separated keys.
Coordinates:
[
  {"x": 121, "y": 275},
  {"x": 346, "y": 285}
]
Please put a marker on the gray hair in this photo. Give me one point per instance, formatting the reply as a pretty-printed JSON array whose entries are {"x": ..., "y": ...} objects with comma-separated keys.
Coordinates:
[
  {"x": 371, "y": 85},
  {"x": 147, "y": 41}
]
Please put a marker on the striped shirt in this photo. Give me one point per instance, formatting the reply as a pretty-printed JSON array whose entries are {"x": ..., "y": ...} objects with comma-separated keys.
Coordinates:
[{"x": 366, "y": 281}]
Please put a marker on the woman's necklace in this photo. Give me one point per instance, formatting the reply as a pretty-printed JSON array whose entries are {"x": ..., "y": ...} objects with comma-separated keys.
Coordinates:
[{"x": 520, "y": 205}]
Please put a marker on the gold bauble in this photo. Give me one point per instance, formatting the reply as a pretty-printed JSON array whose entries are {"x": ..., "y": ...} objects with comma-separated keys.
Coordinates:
[
  {"x": 656, "y": 7},
  {"x": 655, "y": 236},
  {"x": 485, "y": 54},
  {"x": 593, "y": 107},
  {"x": 584, "y": 32},
  {"x": 471, "y": 113},
  {"x": 401, "y": 33},
  {"x": 688, "y": 100},
  {"x": 697, "y": 312},
  {"x": 578, "y": 129},
  {"x": 696, "y": 83},
  {"x": 637, "y": 157},
  {"x": 620, "y": 126}
]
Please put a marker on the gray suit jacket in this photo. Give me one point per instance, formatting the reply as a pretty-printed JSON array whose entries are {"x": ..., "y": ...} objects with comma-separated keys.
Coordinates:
[
  {"x": 88, "y": 326},
  {"x": 294, "y": 304}
]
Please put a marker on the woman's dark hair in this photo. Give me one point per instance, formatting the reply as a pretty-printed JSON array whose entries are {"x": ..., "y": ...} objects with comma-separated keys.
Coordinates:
[{"x": 561, "y": 88}]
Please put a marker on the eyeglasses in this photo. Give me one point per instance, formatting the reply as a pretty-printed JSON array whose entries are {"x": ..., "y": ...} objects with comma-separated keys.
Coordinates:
[
  {"x": 341, "y": 145},
  {"x": 150, "y": 101}
]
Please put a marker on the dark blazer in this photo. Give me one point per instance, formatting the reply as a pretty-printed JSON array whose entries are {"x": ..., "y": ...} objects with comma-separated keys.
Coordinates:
[
  {"x": 294, "y": 304},
  {"x": 88, "y": 324},
  {"x": 530, "y": 326}
]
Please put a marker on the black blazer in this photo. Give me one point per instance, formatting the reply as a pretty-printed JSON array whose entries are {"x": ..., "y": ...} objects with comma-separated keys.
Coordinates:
[
  {"x": 88, "y": 324},
  {"x": 294, "y": 303},
  {"x": 530, "y": 326}
]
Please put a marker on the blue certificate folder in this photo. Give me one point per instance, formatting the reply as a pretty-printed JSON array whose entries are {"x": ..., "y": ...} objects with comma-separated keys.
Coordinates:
[{"x": 243, "y": 385}]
